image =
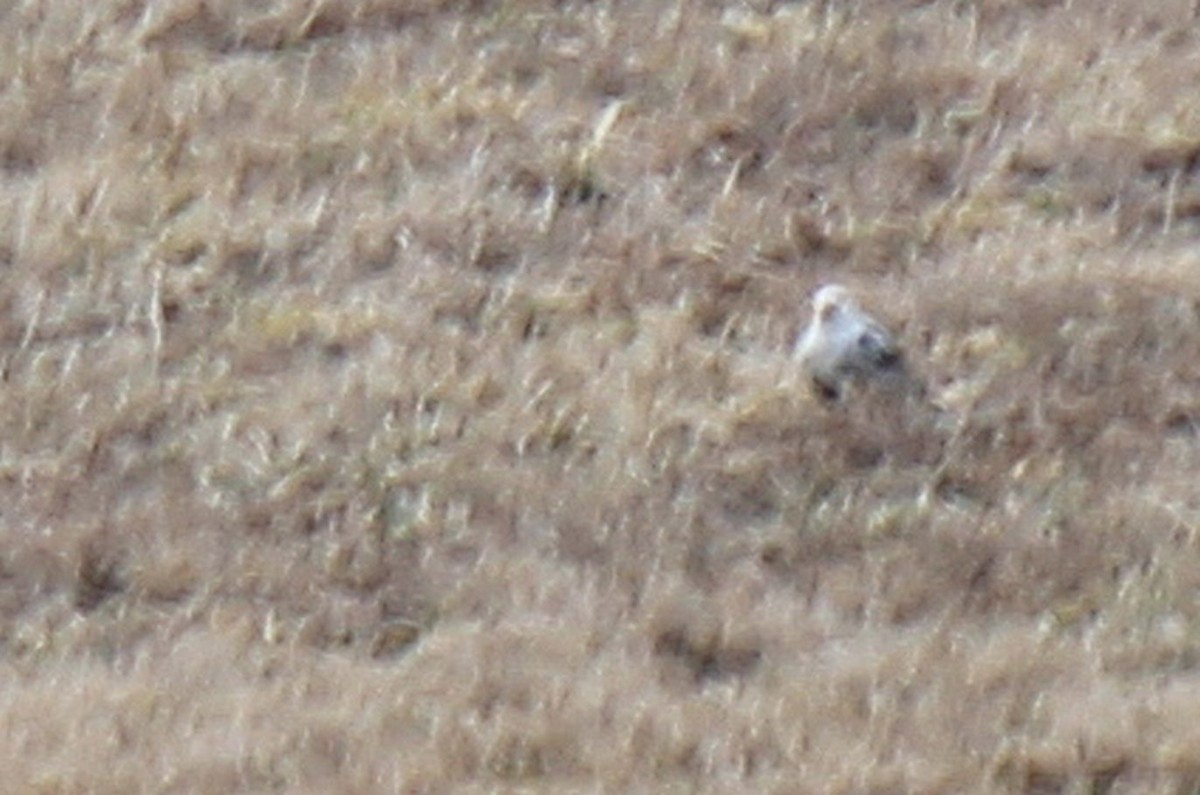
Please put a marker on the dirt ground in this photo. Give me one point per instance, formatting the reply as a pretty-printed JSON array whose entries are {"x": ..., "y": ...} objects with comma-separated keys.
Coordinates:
[{"x": 398, "y": 397}]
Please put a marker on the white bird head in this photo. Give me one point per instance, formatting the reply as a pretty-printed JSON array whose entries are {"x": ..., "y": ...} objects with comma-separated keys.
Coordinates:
[{"x": 831, "y": 301}]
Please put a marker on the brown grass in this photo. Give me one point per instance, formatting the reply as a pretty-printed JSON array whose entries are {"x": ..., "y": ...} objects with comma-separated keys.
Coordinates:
[{"x": 397, "y": 397}]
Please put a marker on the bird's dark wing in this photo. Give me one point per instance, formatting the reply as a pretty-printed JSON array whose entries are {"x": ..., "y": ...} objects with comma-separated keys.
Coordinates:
[{"x": 877, "y": 347}]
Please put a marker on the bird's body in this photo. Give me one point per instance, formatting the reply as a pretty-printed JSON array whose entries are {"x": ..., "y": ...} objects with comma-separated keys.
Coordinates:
[{"x": 844, "y": 345}]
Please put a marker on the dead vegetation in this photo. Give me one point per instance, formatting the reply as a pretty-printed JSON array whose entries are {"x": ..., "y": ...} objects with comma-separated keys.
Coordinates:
[{"x": 398, "y": 397}]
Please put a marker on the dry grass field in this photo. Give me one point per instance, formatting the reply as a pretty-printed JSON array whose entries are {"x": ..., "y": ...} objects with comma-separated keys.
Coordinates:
[{"x": 398, "y": 397}]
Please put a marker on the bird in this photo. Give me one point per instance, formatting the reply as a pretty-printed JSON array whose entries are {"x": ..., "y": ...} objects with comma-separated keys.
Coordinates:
[{"x": 844, "y": 346}]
